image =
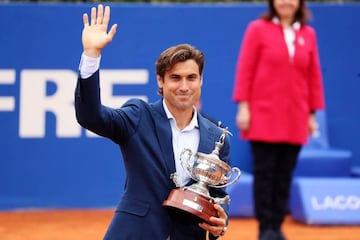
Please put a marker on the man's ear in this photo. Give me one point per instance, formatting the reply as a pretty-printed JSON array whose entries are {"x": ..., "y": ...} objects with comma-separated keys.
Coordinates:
[{"x": 160, "y": 81}]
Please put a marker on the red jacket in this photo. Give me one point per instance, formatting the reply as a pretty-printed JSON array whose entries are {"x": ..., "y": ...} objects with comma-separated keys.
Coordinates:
[{"x": 281, "y": 91}]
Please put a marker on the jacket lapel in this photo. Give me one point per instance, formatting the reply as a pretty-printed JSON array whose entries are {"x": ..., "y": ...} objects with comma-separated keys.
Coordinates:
[
  {"x": 207, "y": 136},
  {"x": 207, "y": 139},
  {"x": 164, "y": 135}
]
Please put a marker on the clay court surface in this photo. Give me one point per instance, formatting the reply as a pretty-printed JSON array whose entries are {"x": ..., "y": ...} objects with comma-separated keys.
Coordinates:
[{"x": 91, "y": 225}]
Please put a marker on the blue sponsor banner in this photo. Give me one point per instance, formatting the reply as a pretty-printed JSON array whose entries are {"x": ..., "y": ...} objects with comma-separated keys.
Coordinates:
[
  {"x": 241, "y": 195},
  {"x": 326, "y": 201},
  {"x": 48, "y": 161}
]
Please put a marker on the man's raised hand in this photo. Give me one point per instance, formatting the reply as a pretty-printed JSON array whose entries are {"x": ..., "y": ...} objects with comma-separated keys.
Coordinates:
[{"x": 95, "y": 36}]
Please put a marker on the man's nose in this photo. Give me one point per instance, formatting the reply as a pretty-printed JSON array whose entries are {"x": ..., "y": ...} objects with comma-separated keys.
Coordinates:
[{"x": 184, "y": 85}]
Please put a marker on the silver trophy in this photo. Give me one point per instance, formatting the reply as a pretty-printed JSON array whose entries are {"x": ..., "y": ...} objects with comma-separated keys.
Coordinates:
[{"x": 208, "y": 170}]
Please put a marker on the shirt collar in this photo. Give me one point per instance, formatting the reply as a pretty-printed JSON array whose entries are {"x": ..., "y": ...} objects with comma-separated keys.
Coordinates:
[
  {"x": 193, "y": 123},
  {"x": 295, "y": 26}
]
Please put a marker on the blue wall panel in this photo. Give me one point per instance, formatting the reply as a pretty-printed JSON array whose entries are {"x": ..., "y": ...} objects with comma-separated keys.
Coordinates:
[{"x": 45, "y": 165}]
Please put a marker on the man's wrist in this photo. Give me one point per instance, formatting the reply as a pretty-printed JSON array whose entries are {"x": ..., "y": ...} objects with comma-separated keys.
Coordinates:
[
  {"x": 93, "y": 53},
  {"x": 88, "y": 65}
]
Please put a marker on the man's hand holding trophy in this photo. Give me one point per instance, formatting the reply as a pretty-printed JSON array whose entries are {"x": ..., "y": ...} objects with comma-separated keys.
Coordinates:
[{"x": 208, "y": 170}]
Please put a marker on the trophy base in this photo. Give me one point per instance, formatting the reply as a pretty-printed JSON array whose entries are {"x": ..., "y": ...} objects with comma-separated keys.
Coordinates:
[{"x": 193, "y": 206}]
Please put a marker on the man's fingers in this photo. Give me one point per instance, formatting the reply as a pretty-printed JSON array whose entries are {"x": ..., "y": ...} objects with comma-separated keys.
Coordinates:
[
  {"x": 100, "y": 14},
  {"x": 112, "y": 31},
  {"x": 216, "y": 225},
  {"x": 221, "y": 212},
  {"x": 106, "y": 17},
  {"x": 85, "y": 20},
  {"x": 93, "y": 16},
  {"x": 215, "y": 230}
]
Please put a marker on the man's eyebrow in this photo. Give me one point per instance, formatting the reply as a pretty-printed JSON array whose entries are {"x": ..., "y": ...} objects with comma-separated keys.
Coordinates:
[
  {"x": 187, "y": 75},
  {"x": 174, "y": 74}
]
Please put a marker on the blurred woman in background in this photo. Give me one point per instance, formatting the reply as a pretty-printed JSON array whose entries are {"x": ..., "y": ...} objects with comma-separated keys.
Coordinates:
[{"x": 278, "y": 88}]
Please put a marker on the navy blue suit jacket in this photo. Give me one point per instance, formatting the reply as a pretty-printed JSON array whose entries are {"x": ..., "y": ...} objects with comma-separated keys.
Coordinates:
[{"x": 143, "y": 133}]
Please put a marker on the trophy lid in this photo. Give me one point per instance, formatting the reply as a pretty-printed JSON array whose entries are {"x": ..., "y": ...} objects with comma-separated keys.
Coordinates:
[{"x": 213, "y": 157}]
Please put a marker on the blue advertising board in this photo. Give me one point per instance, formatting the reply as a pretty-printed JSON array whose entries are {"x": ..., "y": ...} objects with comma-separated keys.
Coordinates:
[
  {"x": 48, "y": 161},
  {"x": 326, "y": 201}
]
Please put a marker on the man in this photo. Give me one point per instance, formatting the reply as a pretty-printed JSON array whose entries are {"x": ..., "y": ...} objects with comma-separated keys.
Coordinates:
[{"x": 151, "y": 137}]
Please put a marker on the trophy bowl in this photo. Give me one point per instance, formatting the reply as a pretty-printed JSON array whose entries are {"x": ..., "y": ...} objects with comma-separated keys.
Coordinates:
[
  {"x": 207, "y": 168},
  {"x": 194, "y": 202}
]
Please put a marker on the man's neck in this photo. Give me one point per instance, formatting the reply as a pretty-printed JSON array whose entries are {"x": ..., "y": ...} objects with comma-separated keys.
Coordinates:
[{"x": 182, "y": 117}]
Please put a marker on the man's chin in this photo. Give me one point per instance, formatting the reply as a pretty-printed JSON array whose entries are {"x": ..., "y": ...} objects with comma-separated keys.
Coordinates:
[{"x": 184, "y": 106}]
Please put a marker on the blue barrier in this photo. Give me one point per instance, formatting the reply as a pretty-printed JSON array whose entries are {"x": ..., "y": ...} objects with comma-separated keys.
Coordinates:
[
  {"x": 241, "y": 197},
  {"x": 355, "y": 172},
  {"x": 48, "y": 161},
  {"x": 318, "y": 201},
  {"x": 326, "y": 201},
  {"x": 319, "y": 159},
  {"x": 324, "y": 163}
]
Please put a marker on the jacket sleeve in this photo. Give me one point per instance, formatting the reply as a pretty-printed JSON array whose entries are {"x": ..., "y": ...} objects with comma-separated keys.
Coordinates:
[
  {"x": 316, "y": 100},
  {"x": 115, "y": 124},
  {"x": 247, "y": 62}
]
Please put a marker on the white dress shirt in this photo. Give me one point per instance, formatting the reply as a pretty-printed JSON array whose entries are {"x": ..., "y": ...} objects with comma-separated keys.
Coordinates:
[
  {"x": 188, "y": 138},
  {"x": 289, "y": 35}
]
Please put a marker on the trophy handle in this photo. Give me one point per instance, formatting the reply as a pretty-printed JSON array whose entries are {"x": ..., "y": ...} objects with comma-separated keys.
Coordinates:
[
  {"x": 224, "y": 200},
  {"x": 227, "y": 178},
  {"x": 185, "y": 163}
]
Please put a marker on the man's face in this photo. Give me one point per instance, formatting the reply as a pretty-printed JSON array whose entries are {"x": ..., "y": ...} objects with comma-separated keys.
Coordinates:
[{"x": 181, "y": 85}]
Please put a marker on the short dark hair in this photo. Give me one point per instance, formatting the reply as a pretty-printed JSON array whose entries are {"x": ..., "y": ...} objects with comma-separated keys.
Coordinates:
[
  {"x": 303, "y": 14},
  {"x": 176, "y": 54}
]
